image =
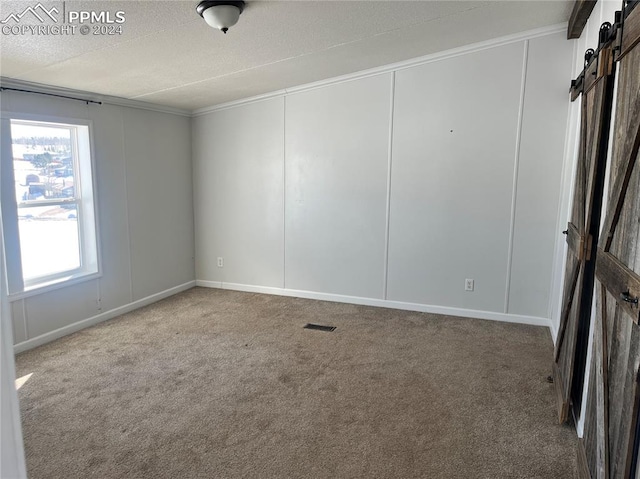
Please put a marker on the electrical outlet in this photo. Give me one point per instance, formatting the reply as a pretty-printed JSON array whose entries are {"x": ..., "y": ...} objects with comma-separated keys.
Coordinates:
[
  {"x": 468, "y": 284},
  {"x": 220, "y": 262}
]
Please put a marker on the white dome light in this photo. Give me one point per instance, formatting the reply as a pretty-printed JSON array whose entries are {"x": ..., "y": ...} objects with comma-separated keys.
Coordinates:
[{"x": 220, "y": 14}]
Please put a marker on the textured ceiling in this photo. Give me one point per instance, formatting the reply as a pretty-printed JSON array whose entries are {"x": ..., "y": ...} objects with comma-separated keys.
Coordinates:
[{"x": 166, "y": 54}]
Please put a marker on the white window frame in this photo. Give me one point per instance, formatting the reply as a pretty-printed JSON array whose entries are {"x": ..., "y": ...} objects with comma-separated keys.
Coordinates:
[{"x": 84, "y": 192}]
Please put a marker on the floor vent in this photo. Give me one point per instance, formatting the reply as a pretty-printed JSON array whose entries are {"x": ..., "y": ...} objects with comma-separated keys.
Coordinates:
[{"x": 319, "y": 327}]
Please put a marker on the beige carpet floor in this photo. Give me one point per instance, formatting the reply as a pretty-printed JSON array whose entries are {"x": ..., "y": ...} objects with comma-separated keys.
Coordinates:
[{"x": 223, "y": 384}]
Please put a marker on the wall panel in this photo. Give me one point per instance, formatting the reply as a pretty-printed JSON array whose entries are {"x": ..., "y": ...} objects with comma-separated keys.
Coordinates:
[
  {"x": 454, "y": 150},
  {"x": 55, "y": 309},
  {"x": 238, "y": 191},
  {"x": 540, "y": 166},
  {"x": 160, "y": 199},
  {"x": 336, "y": 187},
  {"x": 115, "y": 284}
]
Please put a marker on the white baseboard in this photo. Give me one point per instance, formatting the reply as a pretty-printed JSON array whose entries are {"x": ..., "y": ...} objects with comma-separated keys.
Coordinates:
[
  {"x": 85, "y": 323},
  {"x": 382, "y": 303}
]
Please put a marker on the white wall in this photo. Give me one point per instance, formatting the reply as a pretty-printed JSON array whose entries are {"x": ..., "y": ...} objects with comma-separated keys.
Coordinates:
[
  {"x": 336, "y": 163},
  {"x": 12, "y": 465},
  {"x": 539, "y": 185},
  {"x": 247, "y": 179},
  {"x": 145, "y": 216},
  {"x": 397, "y": 185},
  {"x": 454, "y": 150}
]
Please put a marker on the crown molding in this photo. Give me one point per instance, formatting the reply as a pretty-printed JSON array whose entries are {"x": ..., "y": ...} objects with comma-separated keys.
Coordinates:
[
  {"x": 241, "y": 101},
  {"x": 6, "y": 82},
  {"x": 393, "y": 67},
  {"x": 434, "y": 57}
]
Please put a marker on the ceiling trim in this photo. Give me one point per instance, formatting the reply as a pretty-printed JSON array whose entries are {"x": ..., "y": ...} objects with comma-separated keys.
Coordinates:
[
  {"x": 89, "y": 96},
  {"x": 131, "y": 103},
  {"x": 474, "y": 47},
  {"x": 254, "y": 99}
]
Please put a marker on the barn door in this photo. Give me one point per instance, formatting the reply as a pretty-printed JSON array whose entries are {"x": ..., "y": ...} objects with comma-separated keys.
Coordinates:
[
  {"x": 596, "y": 85},
  {"x": 610, "y": 442}
]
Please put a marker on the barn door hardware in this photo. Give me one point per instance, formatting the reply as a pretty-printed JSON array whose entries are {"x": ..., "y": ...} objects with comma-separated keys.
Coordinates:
[
  {"x": 588, "y": 55},
  {"x": 627, "y": 298},
  {"x": 580, "y": 243},
  {"x": 598, "y": 62},
  {"x": 606, "y": 33}
]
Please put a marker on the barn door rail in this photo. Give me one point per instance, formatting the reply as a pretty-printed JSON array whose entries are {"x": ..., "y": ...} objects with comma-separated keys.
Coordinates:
[{"x": 598, "y": 62}]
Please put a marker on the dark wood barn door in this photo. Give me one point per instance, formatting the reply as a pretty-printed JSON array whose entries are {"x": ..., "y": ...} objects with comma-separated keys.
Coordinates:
[
  {"x": 596, "y": 85},
  {"x": 609, "y": 448}
]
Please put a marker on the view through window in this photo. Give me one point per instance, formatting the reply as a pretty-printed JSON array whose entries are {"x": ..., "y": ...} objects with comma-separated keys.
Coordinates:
[
  {"x": 52, "y": 186},
  {"x": 45, "y": 176}
]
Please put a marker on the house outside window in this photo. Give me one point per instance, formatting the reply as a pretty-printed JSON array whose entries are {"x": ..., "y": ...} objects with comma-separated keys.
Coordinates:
[{"x": 47, "y": 203}]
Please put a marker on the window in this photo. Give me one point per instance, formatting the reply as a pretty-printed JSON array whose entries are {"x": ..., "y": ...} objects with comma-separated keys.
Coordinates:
[{"x": 47, "y": 196}]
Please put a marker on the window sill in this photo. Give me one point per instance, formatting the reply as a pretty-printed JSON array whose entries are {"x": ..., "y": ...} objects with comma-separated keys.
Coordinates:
[{"x": 53, "y": 285}]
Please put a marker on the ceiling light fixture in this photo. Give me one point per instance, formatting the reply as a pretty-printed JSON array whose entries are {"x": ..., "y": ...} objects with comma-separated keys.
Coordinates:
[{"x": 220, "y": 14}]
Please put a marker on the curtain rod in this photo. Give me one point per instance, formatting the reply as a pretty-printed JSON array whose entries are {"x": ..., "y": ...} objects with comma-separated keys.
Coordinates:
[{"x": 2, "y": 88}]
